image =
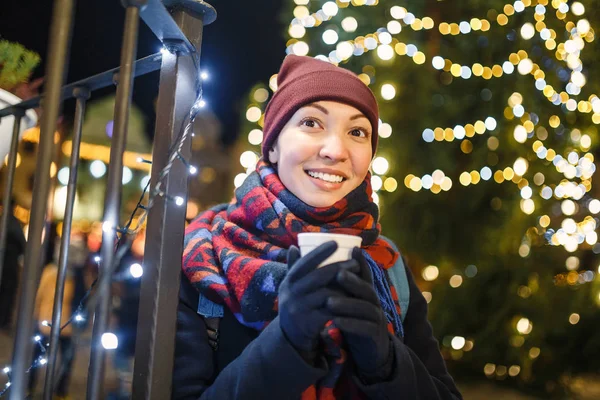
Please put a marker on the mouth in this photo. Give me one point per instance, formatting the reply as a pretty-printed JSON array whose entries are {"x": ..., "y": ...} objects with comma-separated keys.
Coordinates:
[{"x": 332, "y": 179}]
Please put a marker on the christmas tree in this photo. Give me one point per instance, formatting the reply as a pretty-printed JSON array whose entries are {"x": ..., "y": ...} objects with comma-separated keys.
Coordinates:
[{"x": 484, "y": 170}]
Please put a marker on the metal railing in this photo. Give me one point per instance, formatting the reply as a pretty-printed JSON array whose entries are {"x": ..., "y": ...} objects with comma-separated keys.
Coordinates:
[{"x": 179, "y": 25}]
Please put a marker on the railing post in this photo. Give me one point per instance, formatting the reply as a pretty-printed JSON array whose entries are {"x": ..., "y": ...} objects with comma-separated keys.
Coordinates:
[
  {"x": 60, "y": 35},
  {"x": 81, "y": 94},
  {"x": 178, "y": 91},
  {"x": 8, "y": 186},
  {"x": 112, "y": 200}
]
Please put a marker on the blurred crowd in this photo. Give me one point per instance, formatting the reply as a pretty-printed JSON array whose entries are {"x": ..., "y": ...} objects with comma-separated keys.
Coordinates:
[{"x": 82, "y": 271}]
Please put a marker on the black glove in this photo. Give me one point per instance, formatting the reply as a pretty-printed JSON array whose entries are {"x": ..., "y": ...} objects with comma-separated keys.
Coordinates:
[
  {"x": 304, "y": 292},
  {"x": 361, "y": 319}
]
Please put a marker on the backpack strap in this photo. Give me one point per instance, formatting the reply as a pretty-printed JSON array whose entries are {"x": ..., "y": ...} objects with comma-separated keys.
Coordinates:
[
  {"x": 212, "y": 314},
  {"x": 212, "y": 329},
  {"x": 397, "y": 275}
]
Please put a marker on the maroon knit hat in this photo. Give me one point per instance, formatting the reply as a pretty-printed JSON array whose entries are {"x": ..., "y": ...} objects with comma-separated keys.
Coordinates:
[{"x": 304, "y": 80}]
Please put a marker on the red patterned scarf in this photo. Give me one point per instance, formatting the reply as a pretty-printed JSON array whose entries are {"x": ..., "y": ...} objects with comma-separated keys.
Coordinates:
[{"x": 235, "y": 255}]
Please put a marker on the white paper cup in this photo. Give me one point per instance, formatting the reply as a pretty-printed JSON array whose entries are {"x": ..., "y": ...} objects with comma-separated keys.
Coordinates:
[{"x": 308, "y": 241}]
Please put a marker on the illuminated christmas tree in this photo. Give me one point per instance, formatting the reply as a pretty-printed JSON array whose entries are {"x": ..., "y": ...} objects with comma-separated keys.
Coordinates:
[{"x": 484, "y": 172}]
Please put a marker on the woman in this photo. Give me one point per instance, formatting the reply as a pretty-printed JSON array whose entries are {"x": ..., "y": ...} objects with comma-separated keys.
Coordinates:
[{"x": 287, "y": 329}]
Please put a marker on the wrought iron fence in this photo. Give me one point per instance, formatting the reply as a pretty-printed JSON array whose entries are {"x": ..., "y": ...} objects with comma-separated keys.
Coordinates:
[{"x": 178, "y": 24}]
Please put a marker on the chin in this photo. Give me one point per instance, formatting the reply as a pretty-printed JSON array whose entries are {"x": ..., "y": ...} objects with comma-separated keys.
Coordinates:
[{"x": 320, "y": 201}]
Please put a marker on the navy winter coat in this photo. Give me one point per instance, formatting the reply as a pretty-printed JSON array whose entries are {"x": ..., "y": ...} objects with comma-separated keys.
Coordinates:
[{"x": 263, "y": 365}]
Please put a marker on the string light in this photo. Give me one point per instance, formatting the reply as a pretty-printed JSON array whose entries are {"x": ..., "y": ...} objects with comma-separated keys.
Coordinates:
[
  {"x": 136, "y": 270},
  {"x": 526, "y": 131},
  {"x": 109, "y": 341},
  {"x": 126, "y": 234}
]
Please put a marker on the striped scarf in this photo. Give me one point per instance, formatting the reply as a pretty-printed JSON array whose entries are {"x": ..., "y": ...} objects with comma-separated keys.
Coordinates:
[{"x": 235, "y": 256}]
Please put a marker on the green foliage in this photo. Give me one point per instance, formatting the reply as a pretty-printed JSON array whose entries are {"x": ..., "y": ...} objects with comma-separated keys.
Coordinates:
[{"x": 16, "y": 64}]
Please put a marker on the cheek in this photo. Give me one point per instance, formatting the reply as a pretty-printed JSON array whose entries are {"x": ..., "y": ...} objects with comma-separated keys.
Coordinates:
[{"x": 361, "y": 165}]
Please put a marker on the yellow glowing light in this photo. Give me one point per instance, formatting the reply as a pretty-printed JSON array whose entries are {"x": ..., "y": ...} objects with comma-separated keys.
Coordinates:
[
  {"x": 508, "y": 173},
  {"x": 577, "y": 8},
  {"x": 514, "y": 370},
  {"x": 18, "y": 162},
  {"x": 390, "y": 184},
  {"x": 427, "y": 296},
  {"x": 385, "y": 52},
  {"x": 388, "y": 91},
  {"x": 458, "y": 342},
  {"x": 574, "y": 318},
  {"x": 520, "y": 134},
  {"x": 524, "y": 326},
  {"x": 398, "y": 12},
  {"x": 416, "y": 184},
  {"x": 300, "y": 48},
  {"x": 527, "y": 31},
  {"x": 428, "y": 23},
  {"x": 394, "y": 27},
  {"x": 568, "y": 207},
  {"x": 524, "y": 250},
  {"x": 544, "y": 221},
  {"x": 301, "y": 12},
  {"x": 365, "y": 79},
  {"x": 330, "y": 36},
  {"x": 465, "y": 179},
  {"x": 534, "y": 352},
  {"x": 239, "y": 179},
  {"x": 253, "y": 114},
  {"x": 527, "y": 206},
  {"x": 520, "y": 166},
  {"x": 349, "y": 24},
  {"x": 248, "y": 159},
  {"x": 419, "y": 58},
  {"x": 430, "y": 273},
  {"x": 255, "y": 136},
  {"x": 400, "y": 49},
  {"x": 385, "y": 130},
  {"x": 446, "y": 184},
  {"x": 493, "y": 143},
  {"x": 261, "y": 95},
  {"x": 489, "y": 369},
  {"x": 273, "y": 82},
  {"x": 380, "y": 165},
  {"x": 499, "y": 176},
  {"x": 297, "y": 31},
  {"x": 456, "y": 281}
]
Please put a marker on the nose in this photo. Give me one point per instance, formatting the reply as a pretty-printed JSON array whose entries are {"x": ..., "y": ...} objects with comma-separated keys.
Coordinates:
[{"x": 334, "y": 147}]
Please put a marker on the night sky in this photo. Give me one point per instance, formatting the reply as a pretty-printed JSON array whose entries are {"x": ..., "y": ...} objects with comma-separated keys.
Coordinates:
[{"x": 243, "y": 46}]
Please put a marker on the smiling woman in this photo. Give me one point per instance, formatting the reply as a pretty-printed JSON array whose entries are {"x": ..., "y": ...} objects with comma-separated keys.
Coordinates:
[
  {"x": 258, "y": 321},
  {"x": 323, "y": 152}
]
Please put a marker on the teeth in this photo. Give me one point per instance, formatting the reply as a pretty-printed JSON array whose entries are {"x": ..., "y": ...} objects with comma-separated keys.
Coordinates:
[{"x": 326, "y": 177}]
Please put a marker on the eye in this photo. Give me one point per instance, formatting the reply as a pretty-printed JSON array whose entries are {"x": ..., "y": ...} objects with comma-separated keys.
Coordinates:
[
  {"x": 359, "y": 132},
  {"x": 310, "y": 122}
]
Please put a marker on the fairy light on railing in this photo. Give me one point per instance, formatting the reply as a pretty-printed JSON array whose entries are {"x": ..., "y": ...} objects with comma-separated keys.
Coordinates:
[{"x": 127, "y": 233}]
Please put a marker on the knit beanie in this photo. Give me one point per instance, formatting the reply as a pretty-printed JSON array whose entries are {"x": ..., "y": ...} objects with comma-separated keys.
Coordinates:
[{"x": 303, "y": 80}]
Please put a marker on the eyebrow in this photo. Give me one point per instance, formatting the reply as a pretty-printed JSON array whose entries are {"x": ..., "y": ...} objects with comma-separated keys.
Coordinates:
[{"x": 326, "y": 112}]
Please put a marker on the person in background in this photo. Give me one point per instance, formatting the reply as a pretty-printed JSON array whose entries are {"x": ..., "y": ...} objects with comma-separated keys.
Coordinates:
[
  {"x": 44, "y": 303},
  {"x": 127, "y": 296},
  {"x": 15, "y": 248}
]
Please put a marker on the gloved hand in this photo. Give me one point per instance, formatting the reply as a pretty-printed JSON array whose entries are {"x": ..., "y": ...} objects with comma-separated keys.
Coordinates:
[
  {"x": 304, "y": 292},
  {"x": 361, "y": 319}
]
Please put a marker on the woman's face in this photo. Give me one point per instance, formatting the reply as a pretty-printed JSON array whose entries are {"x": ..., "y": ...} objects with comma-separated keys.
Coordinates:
[{"x": 323, "y": 152}]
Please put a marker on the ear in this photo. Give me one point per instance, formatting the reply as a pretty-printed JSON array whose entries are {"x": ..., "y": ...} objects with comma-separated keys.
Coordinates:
[{"x": 274, "y": 154}]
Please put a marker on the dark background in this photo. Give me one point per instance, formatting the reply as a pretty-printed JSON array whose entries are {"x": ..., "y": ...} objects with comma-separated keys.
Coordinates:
[{"x": 243, "y": 46}]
